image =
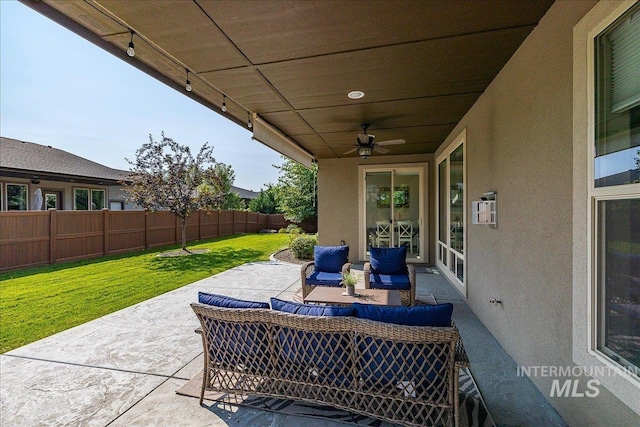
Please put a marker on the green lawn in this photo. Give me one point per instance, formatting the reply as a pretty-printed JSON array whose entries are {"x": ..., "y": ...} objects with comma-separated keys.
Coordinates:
[{"x": 42, "y": 301}]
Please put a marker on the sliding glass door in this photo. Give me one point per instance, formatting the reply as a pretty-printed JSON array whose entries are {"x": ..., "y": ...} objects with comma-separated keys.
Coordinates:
[{"x": 392, "y": 211}]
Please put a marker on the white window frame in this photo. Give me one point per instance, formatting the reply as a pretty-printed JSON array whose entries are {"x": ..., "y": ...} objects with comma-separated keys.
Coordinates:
[
  {"x": 104, "y": 198},
  {"x": 88, "y": 190},
  {"x": 461, "y": 285},
  {"x": 620, "y": 382}
]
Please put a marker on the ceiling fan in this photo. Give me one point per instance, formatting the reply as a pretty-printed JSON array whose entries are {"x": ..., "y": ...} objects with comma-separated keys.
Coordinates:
[{"x": 366, "y": 143}]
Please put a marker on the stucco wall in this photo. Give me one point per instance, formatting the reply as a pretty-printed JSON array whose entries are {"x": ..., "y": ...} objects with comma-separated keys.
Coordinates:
[{"x": 520, "y": 143}]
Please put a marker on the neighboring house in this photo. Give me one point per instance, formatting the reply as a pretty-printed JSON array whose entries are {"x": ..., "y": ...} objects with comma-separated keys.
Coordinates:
[
  {"x": 246, "y": 195},
  {"x": 66, "y": 181},
  {"x": 537, "y": 101}
]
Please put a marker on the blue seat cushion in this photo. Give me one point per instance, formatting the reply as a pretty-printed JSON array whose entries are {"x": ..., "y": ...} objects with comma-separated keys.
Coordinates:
[
  {"x": 228, "y": 302},
  {"x": 388, "y": 260},
  {"x": 421, "y": 315},
  {"x": 321, "y": 278},
  {"x": 316, "y": 357},
  {"x": 330, "y": 259},
  {"x": 389, "y": 281},
  {"x": 310, "y": 309}
]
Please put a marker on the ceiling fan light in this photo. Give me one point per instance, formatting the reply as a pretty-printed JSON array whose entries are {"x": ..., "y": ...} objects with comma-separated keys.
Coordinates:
[{"x": 364, "y": 152}]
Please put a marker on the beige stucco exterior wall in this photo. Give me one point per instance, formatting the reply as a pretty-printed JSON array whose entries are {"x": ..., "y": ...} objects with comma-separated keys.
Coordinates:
[
  {"x": 338, "y": 199},
  {"x": 520, "y": 144}
]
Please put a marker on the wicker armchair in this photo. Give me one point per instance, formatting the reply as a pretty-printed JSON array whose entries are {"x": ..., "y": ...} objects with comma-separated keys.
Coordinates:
[
  {"x": 327, "y": 269},
  {"x": 388, "y": 269}
]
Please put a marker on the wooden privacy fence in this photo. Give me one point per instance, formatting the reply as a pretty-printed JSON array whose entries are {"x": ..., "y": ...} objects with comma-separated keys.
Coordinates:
[{"x": 35, "y": 238}]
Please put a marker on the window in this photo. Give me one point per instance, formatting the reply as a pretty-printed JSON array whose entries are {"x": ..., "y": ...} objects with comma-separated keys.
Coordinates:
[
  {"x": 81, "y": 199},
  {"x": 615, "y": 191},
  {"x": 451, "y": 212},
  {"x": 97, "y": 200},
  {"x": 51, "y": 200},
  {"x": 17, "y": 197},
  {"x": 617, "y": 149}
]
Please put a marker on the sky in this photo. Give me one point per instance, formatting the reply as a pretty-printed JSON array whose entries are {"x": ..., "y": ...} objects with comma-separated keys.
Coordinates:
[{"x": 58, "y": 89}]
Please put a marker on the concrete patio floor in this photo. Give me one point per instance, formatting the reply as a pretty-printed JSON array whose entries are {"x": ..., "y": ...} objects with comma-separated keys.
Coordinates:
[{"x": 123, "y": 369}]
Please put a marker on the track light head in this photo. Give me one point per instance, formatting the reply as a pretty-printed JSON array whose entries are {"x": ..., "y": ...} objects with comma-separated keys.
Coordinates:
[{"x": 224, "y": 103}]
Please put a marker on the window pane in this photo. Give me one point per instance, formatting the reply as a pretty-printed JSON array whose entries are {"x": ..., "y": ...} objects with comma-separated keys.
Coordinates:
[
  {"x": 81, "y": 199},
  {"x": 51, "y": 200},
  {"x": 618, "y": 103},
  {"x": 456, "y": 184},
  {"x": 442, "y": 201},
  {"x": 619, "y": 287},
  {"x": 97, "y": 200},
  {"x": 16, "y": 197}
]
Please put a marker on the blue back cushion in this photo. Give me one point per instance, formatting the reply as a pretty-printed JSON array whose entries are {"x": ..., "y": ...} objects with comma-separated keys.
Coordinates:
[
  {"x": 386, "y": 363},
  {"x": 236, "y": 346},
  {"x": 228, "y": 302},
  {"x": 330, "y": 258},
  {"x": 421, "y": 315},
  {"x": 310, "y": 309},
  {"x": 388, "y": 260},
  {"x": 316, "y": 357}
]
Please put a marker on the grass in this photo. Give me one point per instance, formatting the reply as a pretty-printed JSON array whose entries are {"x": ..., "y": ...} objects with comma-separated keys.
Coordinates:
[{"x": 39, "y": 302}]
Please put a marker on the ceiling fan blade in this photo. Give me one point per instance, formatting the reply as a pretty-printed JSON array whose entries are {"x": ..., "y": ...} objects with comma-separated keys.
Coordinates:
[
  {"x": 350, "y": 151},
  {"x": 381, "y": 150},
  {"x": 391, "y": 142}
]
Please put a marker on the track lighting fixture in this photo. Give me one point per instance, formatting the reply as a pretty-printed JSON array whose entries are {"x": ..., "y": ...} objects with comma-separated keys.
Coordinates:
[
  {"x": 249, "y": 124},
  {"x": 131, "y": 51},
  {"x": 224, "y": 103},
  {"x": 188, "y": 85}
]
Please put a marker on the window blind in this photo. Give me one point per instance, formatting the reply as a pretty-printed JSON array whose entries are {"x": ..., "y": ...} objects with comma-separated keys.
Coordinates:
[{"x": 625, "y": 64}]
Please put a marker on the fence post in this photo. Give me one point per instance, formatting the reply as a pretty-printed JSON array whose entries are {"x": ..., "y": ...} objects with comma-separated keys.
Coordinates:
[
  {"x": 105, "y": 234},
  {"x": 52, "y": 235},
  {"x": 146, "y": 229},
  {"x": 199, "y": 224}
]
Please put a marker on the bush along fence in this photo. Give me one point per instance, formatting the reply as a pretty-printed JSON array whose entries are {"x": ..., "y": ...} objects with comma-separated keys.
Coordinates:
[{"x": 32, "y": 238}]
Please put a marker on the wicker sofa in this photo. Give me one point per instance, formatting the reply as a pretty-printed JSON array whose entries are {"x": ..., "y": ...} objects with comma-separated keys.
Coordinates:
[{"x": 402, "y": 374}]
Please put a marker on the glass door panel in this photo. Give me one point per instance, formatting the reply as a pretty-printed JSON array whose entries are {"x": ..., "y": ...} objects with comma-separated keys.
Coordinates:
[
  {"x": 378, "y": 209},
  {"x": 392, "y": 210}
]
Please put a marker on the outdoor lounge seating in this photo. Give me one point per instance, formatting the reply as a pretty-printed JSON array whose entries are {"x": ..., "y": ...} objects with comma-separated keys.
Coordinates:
[
  {"x": 388, "y": 269},
  {"x": 351, "y": 358},
  {"x": 327, "y": 268}
]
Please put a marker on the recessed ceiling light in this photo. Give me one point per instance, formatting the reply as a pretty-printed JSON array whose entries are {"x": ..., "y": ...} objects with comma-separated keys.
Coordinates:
[{"x": 356, "y": 94}]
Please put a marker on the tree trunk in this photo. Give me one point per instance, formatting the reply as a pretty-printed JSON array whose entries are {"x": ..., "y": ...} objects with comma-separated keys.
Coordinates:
[{"x": 184, "y": 233}]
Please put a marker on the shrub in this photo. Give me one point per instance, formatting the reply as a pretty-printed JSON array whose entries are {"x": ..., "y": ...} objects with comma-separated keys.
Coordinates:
[{"x": 302, "y": 246}]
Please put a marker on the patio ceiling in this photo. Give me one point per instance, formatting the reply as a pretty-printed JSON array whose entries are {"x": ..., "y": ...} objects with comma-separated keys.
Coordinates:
[{"x": 421, "y": 64}]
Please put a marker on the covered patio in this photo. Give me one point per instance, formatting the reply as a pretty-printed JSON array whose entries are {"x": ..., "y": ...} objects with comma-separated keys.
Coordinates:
[
  {"x": 494, "y": 128},
  {"x": 124, "y": 369}
]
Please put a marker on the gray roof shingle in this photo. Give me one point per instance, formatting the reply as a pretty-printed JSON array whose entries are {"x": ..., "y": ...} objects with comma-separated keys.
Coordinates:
[{"x": 28, "y": 156}]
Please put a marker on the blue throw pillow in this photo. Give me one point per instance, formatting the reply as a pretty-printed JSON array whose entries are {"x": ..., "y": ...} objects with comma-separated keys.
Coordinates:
[
  {"x": 330, "y": 258},
  {"x": 422, "y": 315},
  {"x": 228, "y": 302},
  {"x": 388, "y": 260},
  {"x": 310, "y": 309}
]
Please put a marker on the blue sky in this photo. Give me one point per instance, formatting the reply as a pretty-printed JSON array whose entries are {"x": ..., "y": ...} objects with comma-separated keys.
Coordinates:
[{"x": 58, "y": 89}]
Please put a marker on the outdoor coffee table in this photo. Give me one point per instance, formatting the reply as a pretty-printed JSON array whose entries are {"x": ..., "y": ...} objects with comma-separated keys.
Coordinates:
[{"x": 333, "y": 295}]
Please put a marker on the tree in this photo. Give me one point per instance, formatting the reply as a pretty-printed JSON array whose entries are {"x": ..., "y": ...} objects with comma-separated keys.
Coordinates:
[
  {"x": 166, "y": 176},
  {"x": 296, "y": 191},
  {"x": 233, "y": 202},
  {"x": 266, "y": 202}
]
